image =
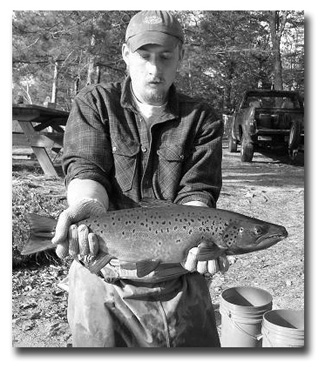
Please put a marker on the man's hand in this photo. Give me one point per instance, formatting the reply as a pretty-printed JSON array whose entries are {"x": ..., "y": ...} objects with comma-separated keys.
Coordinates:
[
  {"x": 219, "y": 264},
  {"x": 72, "y": 239}
]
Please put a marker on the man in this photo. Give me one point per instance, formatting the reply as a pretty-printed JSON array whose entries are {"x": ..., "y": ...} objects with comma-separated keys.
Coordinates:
[{"x": 125, "y": 142}]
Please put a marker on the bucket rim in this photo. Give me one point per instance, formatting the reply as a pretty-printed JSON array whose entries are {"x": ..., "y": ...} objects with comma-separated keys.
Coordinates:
[
  {"x": 275, "y": 326},
  {"x": 243, "y": 315},
  {"x": 226, "y": 294}
]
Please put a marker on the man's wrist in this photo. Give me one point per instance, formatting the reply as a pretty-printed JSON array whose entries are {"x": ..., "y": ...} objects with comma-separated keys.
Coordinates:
[{"x": 80, "y": 189}]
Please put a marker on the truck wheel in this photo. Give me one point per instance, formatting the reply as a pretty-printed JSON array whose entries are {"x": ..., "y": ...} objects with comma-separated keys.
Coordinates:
[
  {"x": 294, "y": 136},
  {"x": 247, "y": 152},
  {"x": 232, "y": 144}
]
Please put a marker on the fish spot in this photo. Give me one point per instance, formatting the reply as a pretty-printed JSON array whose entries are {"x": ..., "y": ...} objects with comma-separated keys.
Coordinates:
[
  {"x": 175, "y": 228},
  {"x": 178, "y": 240}
]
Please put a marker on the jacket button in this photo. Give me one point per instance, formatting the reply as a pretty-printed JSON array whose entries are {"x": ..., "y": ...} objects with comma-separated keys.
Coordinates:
[
  {"x": 144, "y": 149},
  {"x": 114, "y": 148}
]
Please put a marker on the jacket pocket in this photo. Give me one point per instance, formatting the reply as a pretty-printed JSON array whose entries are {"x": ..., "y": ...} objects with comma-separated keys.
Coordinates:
[
  {"x": 125, "y": 160},
  {"x": 170, "y": 161}
]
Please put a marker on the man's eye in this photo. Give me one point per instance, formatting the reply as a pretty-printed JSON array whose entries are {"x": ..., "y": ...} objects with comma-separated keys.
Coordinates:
[
  {"x": 166, "y": 56},
  {"x": 144, "y": 55}
]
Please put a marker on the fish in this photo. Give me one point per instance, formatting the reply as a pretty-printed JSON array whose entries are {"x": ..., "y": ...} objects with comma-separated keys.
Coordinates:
[{"x": 148, "y": 236}]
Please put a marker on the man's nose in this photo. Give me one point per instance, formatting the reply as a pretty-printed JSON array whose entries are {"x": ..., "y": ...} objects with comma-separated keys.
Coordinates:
[{"x": 154, "y": 67}]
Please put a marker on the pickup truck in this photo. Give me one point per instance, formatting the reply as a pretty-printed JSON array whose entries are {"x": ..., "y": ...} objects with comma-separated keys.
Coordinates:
[{"x": 269, "y": 118}]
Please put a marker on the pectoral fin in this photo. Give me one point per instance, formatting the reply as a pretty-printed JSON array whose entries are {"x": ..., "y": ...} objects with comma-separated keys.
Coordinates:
[{"x": 208, "y": 250}]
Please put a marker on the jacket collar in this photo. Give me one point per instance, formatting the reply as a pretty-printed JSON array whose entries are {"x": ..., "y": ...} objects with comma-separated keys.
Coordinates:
[{"x": 127, "y": 100}]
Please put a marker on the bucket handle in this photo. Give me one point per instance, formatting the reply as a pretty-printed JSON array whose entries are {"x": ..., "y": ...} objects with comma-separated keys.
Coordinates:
[
  {"x": 266, "y": 335},
  {"x": 257, "y": 337}
]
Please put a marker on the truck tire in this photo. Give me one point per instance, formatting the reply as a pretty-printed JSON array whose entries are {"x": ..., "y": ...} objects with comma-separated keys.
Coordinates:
[
  {"x": 246, "y": 151},
  {"x": 232, "y": 144},
  {"x": 294, "y": 136}
]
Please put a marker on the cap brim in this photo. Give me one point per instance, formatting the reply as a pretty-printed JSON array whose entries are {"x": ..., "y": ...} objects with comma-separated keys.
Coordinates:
[{"x": 152, "y": 37}]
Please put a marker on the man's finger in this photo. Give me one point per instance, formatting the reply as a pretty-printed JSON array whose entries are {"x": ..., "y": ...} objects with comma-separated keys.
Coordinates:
[
  {"x": 212, "y": 266},
  {"x": 93, "y": 244},
  {"x": 83, "y": 239},
  {"x": 73, "y": 240},
  {"x": 202, "y": 267},
  {"x": 223, "y": 263},
  {"x": 62, "y": 227},
  {"x": 191, "y": 260},
  {"x": 62, "y": 250}
]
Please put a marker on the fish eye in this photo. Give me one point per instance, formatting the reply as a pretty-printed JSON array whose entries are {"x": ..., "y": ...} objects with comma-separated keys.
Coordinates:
[
  {"x": 258, "y": 230},
  {"x": 241, "y": 230}
]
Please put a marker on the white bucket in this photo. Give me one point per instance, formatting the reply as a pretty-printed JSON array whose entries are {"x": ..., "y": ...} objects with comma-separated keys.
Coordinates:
[{"x": 242, "y": 310}]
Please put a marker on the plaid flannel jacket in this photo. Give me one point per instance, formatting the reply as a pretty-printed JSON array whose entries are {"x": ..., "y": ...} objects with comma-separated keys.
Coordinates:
[{"x": 177, "y": 159}]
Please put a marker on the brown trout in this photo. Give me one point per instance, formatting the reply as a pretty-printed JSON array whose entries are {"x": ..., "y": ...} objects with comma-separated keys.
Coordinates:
[{"x": 148, "y": 236}]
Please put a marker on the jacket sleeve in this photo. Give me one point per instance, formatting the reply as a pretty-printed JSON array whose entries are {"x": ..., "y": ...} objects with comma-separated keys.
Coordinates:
[
  {"x": 87, "y": 148},
  {"x": 201, "y": 178}
]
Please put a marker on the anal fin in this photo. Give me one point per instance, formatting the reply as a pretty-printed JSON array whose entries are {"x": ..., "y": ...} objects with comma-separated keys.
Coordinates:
[
  {"x": 100, "y": 260},
  {"x": 145, "y": 267}
]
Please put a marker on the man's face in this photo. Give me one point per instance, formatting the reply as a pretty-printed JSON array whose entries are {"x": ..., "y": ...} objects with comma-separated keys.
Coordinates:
[{"x": 152, "y": 69}]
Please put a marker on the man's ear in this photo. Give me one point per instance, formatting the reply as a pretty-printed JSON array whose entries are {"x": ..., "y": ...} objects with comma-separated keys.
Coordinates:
[
  {"x": 181, "y": 54},
  {"x": 125, "y": 53}
]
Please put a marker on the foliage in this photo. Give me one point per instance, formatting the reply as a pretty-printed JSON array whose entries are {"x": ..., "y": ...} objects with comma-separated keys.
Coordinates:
[{"x": 226, "y": 52}]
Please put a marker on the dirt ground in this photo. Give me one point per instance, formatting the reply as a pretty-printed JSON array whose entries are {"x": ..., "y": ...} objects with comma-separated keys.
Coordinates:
[{"x": 270, "y": 188}]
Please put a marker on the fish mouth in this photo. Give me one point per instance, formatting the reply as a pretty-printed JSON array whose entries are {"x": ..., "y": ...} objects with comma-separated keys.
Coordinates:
[
  {"x": 269, "y": 240},
  {"x": 261, "y": 243}
]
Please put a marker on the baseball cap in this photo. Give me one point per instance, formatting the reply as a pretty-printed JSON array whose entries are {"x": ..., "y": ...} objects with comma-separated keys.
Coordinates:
[{"x": 153, "y": 27}]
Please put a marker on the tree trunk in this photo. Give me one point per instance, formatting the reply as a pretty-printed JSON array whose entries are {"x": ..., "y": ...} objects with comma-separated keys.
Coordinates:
[
  {"x": 76, "y": 85},
  {"x": 277, "y": 23},
  {"x": 55, "y": 83},
  {"x": 98, "y": 74},
  {"x": 91, "y": 63}
]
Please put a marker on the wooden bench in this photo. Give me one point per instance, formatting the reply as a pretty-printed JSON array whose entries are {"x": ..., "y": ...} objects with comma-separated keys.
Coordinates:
[{"x": 42, "y": 129}]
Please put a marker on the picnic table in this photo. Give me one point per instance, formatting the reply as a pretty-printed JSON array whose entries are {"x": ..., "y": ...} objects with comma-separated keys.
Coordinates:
[{"x": 42, "y": 130}]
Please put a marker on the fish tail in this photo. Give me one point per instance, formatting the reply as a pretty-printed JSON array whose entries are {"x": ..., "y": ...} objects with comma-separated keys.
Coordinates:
[{"x": 42, "y": 229}]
